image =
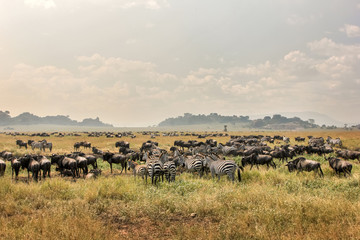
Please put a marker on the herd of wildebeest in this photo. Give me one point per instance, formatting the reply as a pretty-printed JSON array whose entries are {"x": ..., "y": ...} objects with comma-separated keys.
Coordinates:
[{"x": 198, "y": 157}]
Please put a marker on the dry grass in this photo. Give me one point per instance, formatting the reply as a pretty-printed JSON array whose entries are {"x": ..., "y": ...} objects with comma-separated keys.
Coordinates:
[{"x": 267, "y": 204}]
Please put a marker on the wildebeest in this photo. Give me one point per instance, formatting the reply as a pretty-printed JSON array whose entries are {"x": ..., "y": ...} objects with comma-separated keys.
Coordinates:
[
  {"x": 340, "y": 166},
  {"x": 301, "y": 164},
  {"x": 256, "y": 159},
  {"x": 348, "y": 154},
  {"x": 45, "y": 166},
  {"x": 300, "y": 139},
  {"x": 97, "y": 151},
  {"x": 122, "y": 144},
  {"x": 77, "y": 146},
  {"x": 31, "y": 165},
  {"x": 6, "y": 155},
  {"x": 15, "y": 167},
  {"x": 21, "y": 143},
  {"x": 81, "y": 162},
  {"x": 115, "y": 158},
  {"x": 63, "y": 163},
  {"x": 2, "y": 167}
]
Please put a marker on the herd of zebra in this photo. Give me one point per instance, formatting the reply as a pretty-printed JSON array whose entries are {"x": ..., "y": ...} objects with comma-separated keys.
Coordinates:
[{"x": 191, "y": 156}]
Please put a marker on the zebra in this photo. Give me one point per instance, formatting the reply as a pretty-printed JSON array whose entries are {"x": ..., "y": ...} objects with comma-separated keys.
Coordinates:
[
  {"x": 220, "y": 167},
  {"x": 155, "y": 170},
  {"x": 169, "y": 169},
  {"x": 193, "y": 165},
  {"x": 139, "y": 170}
]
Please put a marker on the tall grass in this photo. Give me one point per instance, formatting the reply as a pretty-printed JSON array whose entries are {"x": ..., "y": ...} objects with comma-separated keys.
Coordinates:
[{"x": 267, "y": 204}]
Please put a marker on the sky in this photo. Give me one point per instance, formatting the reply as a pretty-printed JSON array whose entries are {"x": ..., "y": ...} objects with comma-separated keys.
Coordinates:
[{"x": 137, "y": 62}]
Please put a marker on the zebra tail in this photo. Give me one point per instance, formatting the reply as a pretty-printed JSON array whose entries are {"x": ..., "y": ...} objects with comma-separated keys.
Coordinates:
[
  {"x": 239, "y": 175},
  {"x": 322, "y": 174}
]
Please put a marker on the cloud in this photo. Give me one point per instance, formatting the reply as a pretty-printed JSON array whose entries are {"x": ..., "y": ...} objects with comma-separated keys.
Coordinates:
[
  {"x": 351, "y": 30},
  {"x": 40, "y": 3},
  {"x": 132, "y": 92}
]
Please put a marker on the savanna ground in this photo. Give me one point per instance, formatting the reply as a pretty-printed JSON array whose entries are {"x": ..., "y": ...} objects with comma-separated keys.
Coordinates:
[{"x": 267, "y": 204}]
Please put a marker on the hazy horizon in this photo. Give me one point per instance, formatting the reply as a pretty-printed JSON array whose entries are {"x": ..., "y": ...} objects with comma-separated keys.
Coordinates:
[{"x": 135, "y": 63}]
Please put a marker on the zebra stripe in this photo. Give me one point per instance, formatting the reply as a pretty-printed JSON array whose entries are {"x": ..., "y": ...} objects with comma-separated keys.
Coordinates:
[
  {"x": 194, "y": 165},
  {"x": 169, "y": 170},
  {"x": 223, "y": 167},
  {"x": 155, "y": 170}
]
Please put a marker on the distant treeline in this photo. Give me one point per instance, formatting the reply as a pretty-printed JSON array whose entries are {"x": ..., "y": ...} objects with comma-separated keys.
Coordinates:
[
  {"x": 276, "y": 121},
  {"x": 31, "y": 119}
]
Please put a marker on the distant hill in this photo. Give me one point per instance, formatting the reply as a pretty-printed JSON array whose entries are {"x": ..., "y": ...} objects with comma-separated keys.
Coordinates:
[
  {"x": 31, "y": 119},
  {"x": 320, "y": 119},
  {"x": 275, "y": 122}
]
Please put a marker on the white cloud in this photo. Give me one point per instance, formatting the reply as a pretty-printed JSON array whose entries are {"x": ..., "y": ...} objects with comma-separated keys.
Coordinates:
[
  {"x": 351, "y": 30},
  {"x": 121, "y": 90},
  {"x": 40, "y": 3}
]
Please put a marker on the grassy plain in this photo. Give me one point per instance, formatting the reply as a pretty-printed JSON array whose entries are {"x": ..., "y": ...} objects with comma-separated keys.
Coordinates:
[{"x": 267, "y": 204}]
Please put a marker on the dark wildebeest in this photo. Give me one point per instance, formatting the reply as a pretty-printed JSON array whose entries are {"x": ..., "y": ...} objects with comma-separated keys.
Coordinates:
[
  {"x": 77, "y": 146},
  {"x": 340, "y": 166},
  {"x": 122, "y": 144},
  {"x": 256, "y": 159},
  {"x": 2, "y": 167},
  {"x": 300, "y": 139},
  {"x": 81, "y": 162},
  {"x": 6, "y": 155},
  {"x": 85, "y": 144},
  {"x": 115, "y": 158},
  {"x": 45, "y": 166},
  {"x": 347, "y": 154},
  {"x": 31, "y": 165},
  {"x": 15, "y": 167},
  {"x": 21, "y": 143},
  {"x": 95, "y": 150},
  {"x": 302, "y": 164},
  {"x": 63, "y": 163}
]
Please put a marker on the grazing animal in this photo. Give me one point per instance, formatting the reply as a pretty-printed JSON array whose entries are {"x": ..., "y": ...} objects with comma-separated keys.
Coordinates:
[
  {"x": 31, "y": 165},
  {"x": 21, "y": 143},
  {"x": 65, "y": 163},
  {"x": 122, "y": 144},
  {"x": 39, "y": 145},
  {"x": 333, "y": 142},
  {"x": 138, "y": 170},
  {"x": 169, "y": 169},
  {"x": 155, "y": 170},
  {"x": 115, "y": 158},
  {"x": 97, "y": 151},
  {"x": 15, "y": 167},
  {"x": 48, "y": 145},
  {"x": 220, "y": 167},
  {"x": 77, "y": 146},
  {"x": 301, "y": 164},
  {"x": 262, "y": 160},
  {"x": 2, "y": 168},
  {"x": 340, "y": 166},
  {"x": 193, "y": 165},
  {"x": 6, "y": 155},
  {"x": 45, "y": 166}
]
